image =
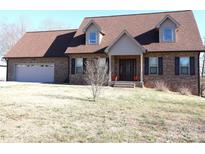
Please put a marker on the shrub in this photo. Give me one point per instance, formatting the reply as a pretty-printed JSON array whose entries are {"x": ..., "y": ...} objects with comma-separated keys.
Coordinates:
[
  {"x": 161, "y": 86},
  {"x": 185, "y": 91},
  {"x": 96, "y": 75}
]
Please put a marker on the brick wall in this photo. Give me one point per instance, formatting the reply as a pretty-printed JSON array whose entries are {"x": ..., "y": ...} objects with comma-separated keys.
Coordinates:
[
  {"x": 63, "y": 70},
  {"x": 79, "y": 78},
  {"x": 174, "y": 81},
  {"x": 169, "y": 77},
  {"x": 60, "y": 72}
]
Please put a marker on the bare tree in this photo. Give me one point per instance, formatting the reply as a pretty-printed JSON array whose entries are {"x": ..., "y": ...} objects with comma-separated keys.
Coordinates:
[
  {"x": 96, "y": 76},
  {"x": 10, "y": 33},
  {"x": 51, "y": 24}
]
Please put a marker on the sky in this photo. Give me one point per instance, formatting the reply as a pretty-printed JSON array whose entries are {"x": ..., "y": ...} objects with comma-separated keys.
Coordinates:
[{"x": 72, "y": 19}]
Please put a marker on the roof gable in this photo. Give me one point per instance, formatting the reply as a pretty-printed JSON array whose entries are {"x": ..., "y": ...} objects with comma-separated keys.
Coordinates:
[
  {"x": 129, "y": 36},
  {"x": 92, "y": 22},
  {"x": 167, "y": 17}
]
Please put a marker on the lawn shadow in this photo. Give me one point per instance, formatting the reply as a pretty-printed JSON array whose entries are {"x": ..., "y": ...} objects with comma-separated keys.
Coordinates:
[{"x": 69, "y": 97}]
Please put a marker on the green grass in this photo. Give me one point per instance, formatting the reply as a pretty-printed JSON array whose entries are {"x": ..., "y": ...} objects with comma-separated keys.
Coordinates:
[{"x": 63, "y": 113}]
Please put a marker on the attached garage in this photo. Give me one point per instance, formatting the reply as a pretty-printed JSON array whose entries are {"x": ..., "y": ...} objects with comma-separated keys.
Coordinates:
[
  {"x": 34, "y": 72},
  {"x": 45, "y": 70},
  {"x": 40, "y": 57}
]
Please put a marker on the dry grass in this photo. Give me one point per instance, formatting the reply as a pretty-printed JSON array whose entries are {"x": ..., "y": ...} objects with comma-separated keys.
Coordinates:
[
  {"x": 185, "y": 91},
  {"x": 161, "y": 86},
  {"x": 63, "y": 113}
]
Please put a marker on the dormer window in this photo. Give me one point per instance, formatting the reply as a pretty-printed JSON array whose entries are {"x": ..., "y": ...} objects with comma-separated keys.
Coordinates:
[
  {"x": 168, "y": 28},
  {"x": 168, "y": 35},
  {"x": 93, "y": 38},
  {"x": 93, "y": 33}
]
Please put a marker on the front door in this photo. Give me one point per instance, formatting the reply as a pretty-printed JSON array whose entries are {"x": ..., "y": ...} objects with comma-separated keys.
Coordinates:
[{"x": 127, "y": 69}]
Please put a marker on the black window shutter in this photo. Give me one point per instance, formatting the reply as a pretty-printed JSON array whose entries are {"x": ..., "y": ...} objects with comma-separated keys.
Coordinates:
[
  {"x": 176, "y": 65},
  {"x": 73, "y": 66},
  {"x": 192, "y": 66},
  {"x": 84, "y": 65},
  {"x": 146, "y": 66},
  {"x": 160, "y": 65},
  {"x": 107, "y": 63}
]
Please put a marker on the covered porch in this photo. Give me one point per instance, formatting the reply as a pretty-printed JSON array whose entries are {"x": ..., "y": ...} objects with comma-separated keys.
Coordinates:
[
  {"x": 126, "y": 71},
  {"x": 125, "y": 60}
]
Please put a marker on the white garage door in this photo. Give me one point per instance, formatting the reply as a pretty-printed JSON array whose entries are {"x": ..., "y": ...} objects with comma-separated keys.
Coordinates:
[{"x": 35, "y": 72}]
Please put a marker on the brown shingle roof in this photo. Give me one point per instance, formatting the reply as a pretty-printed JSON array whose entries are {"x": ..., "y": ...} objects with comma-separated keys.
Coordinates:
[
  {"x": 42, "y": 44},
  {"x": 142, "y": 28}
]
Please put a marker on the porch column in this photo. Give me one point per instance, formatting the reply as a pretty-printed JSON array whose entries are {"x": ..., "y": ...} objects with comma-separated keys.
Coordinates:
[
  {"x": 110, "y": 71},
  {"x": 141, "y": 68}
]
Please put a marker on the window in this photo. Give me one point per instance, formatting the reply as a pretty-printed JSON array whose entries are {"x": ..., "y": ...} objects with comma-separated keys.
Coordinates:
[
  {"x": 153, "y": 65},
  {"x": 184, "y": 65},
  {"x": 102, "y": 62},
  {"x": 92, "y": 37},
  {"x": 168, "y": 35},
  {"x": 79, "y": 65}
]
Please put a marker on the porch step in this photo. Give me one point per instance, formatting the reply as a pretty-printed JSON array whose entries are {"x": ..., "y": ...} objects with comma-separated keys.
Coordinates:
[
  {"x": 127, "y": 84},
  {"x": 124, "y": 85}
]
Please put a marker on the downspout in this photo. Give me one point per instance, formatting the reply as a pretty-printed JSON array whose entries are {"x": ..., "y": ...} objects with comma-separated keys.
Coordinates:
[
  {"x": 7, "y": 64},
  {"x": 142, "y": 70},
  {"x": 199, "y": 82},
  {"x": 68, "y": 69},
  {"x": 67, "y": 80}
]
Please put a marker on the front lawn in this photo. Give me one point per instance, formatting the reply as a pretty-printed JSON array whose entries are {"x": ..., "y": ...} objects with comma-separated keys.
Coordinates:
[{"x": 63, "y": 113}]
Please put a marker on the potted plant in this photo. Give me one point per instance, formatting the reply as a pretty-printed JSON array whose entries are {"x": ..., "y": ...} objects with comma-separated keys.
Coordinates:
[
  {"x": 136, "y": 78},
  {"x": 114, "y": 78}
]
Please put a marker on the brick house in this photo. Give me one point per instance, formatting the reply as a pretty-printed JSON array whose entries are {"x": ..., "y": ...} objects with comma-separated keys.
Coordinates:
[{"x": 139, "y": 48}]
